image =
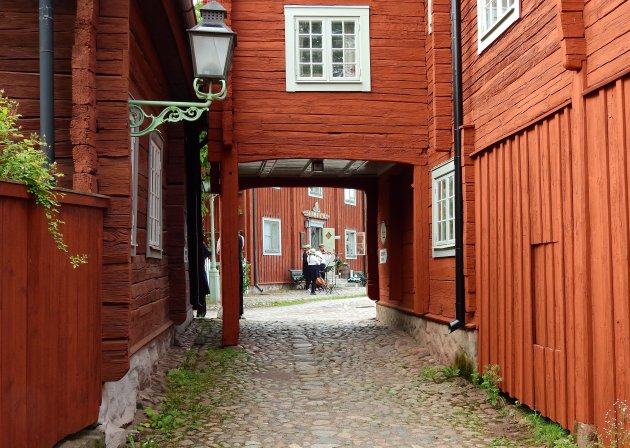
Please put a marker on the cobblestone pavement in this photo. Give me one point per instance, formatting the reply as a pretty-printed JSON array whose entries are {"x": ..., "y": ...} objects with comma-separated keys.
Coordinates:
[{"x": 327, "y": 374}]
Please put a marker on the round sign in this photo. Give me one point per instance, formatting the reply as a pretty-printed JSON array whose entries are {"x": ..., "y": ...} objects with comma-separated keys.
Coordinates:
[{"x": 383, "y": 232}]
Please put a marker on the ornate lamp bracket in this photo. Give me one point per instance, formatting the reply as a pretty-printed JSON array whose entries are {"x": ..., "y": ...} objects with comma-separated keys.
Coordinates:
[{"x": 172, "y": 111}]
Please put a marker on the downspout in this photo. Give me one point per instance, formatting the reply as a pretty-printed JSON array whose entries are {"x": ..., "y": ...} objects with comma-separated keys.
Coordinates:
[
  {"x": 255, "y": 241},
  {"x": 46, "y": 78},
  {"x": 458, "y": 115}
]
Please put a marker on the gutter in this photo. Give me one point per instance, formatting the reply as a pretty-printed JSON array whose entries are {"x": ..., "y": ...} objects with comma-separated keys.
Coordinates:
[
  {"x": 47, "y": 78},
  {"x": 255, "y": 242},
  {"x": 458, "y": 116}
]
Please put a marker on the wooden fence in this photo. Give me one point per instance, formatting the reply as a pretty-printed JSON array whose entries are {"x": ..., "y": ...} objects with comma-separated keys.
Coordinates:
[
  {"x": 50, "y": 329},
  {"x": 552, "y": 210}
]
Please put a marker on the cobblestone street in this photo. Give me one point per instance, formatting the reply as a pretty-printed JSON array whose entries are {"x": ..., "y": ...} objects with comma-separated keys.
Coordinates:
[{"x": 327, "y": 374}]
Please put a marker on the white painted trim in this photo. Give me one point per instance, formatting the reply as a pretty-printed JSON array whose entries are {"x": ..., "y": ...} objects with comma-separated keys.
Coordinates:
[
  {"x": 345, "y": 235},
  {"x": 265, "y": 250},
  {"x": 484, "y": 39},
  {"x": 134, "y": 150},
  {"x": 313, "y": 195},
  {"x": 155, "y": 250},
  {"x": 361, "y": 14},
  {"x": 443, "y": 249},
  {"x": 347, "y": 200}
]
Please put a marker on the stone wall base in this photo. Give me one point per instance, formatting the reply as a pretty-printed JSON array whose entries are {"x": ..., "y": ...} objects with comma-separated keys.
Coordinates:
[
  {"x": 118, "y": 403},
  {"x": 585, "y": 434},
  {"x": 442, "y": 345}
]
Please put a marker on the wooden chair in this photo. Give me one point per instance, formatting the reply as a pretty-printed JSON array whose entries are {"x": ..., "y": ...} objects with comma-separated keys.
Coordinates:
[{"x": 297, "y": 278}]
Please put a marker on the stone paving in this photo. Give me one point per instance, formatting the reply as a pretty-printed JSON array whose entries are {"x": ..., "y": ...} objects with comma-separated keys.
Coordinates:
[{"x": 327, "y": 374}]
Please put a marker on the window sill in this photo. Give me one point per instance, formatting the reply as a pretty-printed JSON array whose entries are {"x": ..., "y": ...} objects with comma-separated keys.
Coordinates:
[{"x": 443, "y": 252}]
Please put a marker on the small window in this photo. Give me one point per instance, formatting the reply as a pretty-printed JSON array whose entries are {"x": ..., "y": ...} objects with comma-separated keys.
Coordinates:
[
  {"x": 327, "y": 48},
  {"x": 493, "y": 18},
  {"x": 443, "y": 205},
  {"x": 272, "y": 231},
  {"x": 275, "y": 188},
  {"x": 154, "y": 213},
  {"x": 135, "y": 149},
  {"x": 351, "y": 243},
  {"x": 316, "y": 192},
  {"x": 350, "y": 196},
  {"x": 429, "y": 16}
]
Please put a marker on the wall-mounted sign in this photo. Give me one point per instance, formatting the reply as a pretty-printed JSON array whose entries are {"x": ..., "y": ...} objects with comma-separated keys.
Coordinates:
[
  {"x": 316, "y": 215},
  {"x": 383, "y": 256},
  {"x": 383, "y": 232}
]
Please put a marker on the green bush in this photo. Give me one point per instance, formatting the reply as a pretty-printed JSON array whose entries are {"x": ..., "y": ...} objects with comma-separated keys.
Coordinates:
[{"x": 22, "y": 160}]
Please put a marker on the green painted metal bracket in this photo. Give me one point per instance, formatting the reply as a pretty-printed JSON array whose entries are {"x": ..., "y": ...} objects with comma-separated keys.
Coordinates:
[{"x": 173, "y": 111}]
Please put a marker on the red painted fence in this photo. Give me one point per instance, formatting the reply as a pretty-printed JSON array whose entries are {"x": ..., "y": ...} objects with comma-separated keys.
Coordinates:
[{"x": 50, "y": 329}]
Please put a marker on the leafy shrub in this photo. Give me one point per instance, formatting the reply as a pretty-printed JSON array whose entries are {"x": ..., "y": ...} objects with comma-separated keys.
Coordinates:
[
  {"x": 22, "y": 160},
  {"x": 616, "y": 434}
]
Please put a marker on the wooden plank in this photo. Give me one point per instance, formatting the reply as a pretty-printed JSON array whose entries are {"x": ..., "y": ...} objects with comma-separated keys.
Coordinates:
[
  {"x": 500, "y": 272},
  {"x": 601, "y": 268},
  {"x": 540, "y": 402},
  {"x": 518, "y": 286},
  {"x": 13, "y": 328},
  {"x": 509, "y": 294}
]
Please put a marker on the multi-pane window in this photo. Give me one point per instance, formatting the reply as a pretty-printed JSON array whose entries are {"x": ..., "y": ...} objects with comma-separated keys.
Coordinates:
[
  {"x": 327, "y": 48},
  {"x": 154, "y": 213},
  {"x": 494, "y": 17},
  {"x": 351, "y": 243},
  {"x": 350, "y": 196},
  {"x": 316, "y": 192},
  {"x": 271, "y": 236},
  {"x": 443, "y": 205}
]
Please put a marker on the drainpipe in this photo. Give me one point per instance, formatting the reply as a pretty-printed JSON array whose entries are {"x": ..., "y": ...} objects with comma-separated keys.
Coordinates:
[
  {"x": 255, "y": 241},
  {"x": 46, "y": 78},
  {"x": 458, "y": 115}
]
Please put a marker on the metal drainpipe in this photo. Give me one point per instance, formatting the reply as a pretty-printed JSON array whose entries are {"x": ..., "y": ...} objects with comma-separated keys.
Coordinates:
[
  {"x": 47, "y": 78},
  {"x": 255, "y": 241},
  {"x": 458, "y": 115}
]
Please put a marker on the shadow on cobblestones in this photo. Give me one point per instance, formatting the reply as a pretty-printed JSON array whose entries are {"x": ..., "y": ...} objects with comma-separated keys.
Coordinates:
[{"x": 323, "y": 375}]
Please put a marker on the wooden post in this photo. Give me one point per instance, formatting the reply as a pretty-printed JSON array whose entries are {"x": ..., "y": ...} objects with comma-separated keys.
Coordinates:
[
  {"x": 420, "y": 240},
  {"x": 371, "y": 236},
  {"x": 229, "y": 246}
]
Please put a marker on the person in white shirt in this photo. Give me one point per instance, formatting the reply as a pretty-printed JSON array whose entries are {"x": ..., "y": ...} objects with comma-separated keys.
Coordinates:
[{"x": 313, "y": 260}]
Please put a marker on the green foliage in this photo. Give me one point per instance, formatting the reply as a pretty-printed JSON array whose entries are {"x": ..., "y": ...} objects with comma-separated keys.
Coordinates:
[
  {"x": 465, "y": 365},
  {"x": 489, "y": 382},
  {"x": 429, "y": 373},
  {"x": 247, "y": 267},
  {"x": 22, "y": 160},
  {"x": 616, "y": 433},
  {"x": 450, "y": 372},
  {"x": 550, "y": 434},
  {"x": 501, "y": 441}
]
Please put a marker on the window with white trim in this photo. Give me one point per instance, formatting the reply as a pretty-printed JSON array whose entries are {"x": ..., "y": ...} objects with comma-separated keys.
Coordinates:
[
  {"x": 493, "y": 18},
  {"x": 429, "y": 16},
  {"x": 135, "y": 149},
  {"x": 272, "y": 236},
  {"x": 154, "y": 212},
  {"x": 327, "y": 48},
  {"x": 316, "y": 192},
  {"x": 443, "y": 207},
  {"x": 351, "y": 243},
  {"x": 350, "y": 196}
]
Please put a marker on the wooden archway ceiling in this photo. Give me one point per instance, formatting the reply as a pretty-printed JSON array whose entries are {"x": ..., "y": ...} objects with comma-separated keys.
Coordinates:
[{"x": 300, "y": 168}]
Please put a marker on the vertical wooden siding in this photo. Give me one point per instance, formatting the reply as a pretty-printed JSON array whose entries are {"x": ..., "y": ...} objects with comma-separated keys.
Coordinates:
[
  {"x": 287, "y": 204},
  {"x": 50, "y": 334},
  {"x": 567, "y": 365}
]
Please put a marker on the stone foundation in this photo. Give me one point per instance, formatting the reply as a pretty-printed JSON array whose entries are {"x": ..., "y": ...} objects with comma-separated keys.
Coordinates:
[
  {"x": 118, "y": 405},
  {"x": 435, "y": 336}
]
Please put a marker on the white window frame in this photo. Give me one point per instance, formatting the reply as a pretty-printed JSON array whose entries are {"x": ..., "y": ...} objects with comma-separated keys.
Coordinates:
[
  {"x": 489, "y": 32},
  {"x": 354, "y": 233},
  {"x": 133, "y": 156},
  {"x": 350, "y": 196},
  {"x": 446, "y": 247},
  {"x": 361, "y": 15},
  {"x": 267, "y": 250},
  {"x": 429, "y": 16},
  {"x": 154, "y": 197},
  {"x": 316, "y": 192}
]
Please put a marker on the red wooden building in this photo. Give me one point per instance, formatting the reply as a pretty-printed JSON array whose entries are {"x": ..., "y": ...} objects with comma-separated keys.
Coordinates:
[
  {"x": 277, "y": 222},
  {"x": 106, "y": 52}
]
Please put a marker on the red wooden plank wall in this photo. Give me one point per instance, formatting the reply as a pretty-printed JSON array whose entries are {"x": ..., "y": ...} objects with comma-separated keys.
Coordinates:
[
  {"x": 288, "y": 205},
  {"x": 50, "y": 334},
  {"x": 552, "y": 254}
]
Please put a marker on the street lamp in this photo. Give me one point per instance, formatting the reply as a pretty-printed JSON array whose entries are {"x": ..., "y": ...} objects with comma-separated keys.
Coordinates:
[{"x": 212, "y": 43}]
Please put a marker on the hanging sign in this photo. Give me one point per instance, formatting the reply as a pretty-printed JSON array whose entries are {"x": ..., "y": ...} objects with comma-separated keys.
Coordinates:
[{"x": 383, "y": 256}]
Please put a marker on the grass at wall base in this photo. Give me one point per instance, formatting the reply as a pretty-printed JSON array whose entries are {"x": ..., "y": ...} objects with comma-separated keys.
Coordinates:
[{"x": 22, "y": 160}]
